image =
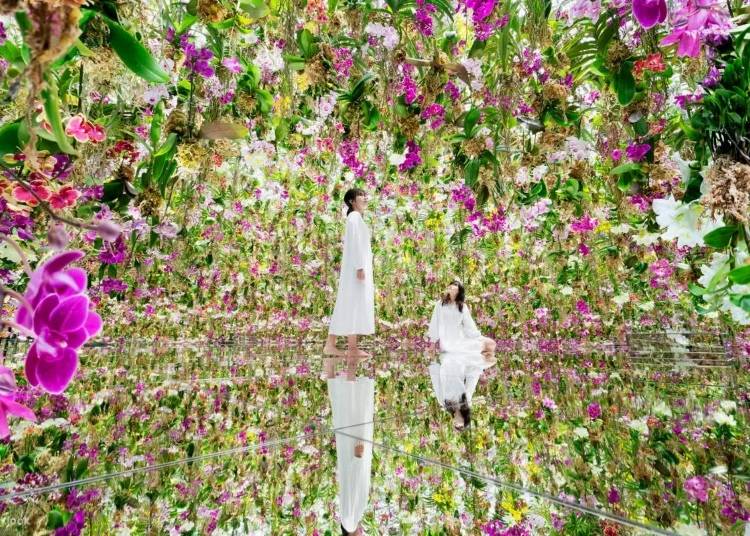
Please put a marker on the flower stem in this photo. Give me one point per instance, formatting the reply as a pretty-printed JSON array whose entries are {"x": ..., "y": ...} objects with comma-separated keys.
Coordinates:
[{"x": 24, "y": 260}]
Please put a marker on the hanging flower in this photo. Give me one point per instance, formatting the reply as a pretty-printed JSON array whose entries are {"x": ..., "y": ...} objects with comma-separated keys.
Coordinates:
[
  {"x": 698, "y": 22},
  {"x": 60, "y": 318},
  {"x": 649, "y": 13},
  {"x": 8, "y": 405}
]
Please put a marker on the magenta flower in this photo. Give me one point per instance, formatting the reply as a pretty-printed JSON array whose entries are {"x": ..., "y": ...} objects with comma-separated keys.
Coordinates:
[
  {"x": 232, "y": 64},
  {"x": 61, "y": 321},
  {"x": 613, "y": 496},
  {"x": 584, "y": 224},
  {"x": 423, "y": 17},
  {"x": 436, "y": 113},
  {"x": 697, "y": 488},
  {"x": 697, "y": 22},
  {"x": 8, "y": 405},
  {"x": 649, "y": 13},
  {"x": 594, "y": 410},
  {"x": 637, "y": 151},
  {"x": 412, "y": 158}
]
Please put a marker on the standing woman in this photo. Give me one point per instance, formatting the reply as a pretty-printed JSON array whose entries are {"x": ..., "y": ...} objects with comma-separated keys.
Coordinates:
[{"x": 354, "y": 312}]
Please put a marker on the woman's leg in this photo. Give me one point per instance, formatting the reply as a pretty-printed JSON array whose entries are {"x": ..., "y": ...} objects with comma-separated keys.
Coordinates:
[
  {"x": 352, "y": 350},
  {"x": 330, "y": 347}
]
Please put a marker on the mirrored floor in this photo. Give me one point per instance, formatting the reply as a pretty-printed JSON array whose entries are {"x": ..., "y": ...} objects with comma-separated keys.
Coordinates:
[{"x": 236, "y": 439}]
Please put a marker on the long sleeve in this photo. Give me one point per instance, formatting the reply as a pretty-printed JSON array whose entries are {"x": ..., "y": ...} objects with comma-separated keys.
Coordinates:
[
  {"x": 470, "y": 328},
  {"x": 356, "y": 239},
  {"x": 433, "y": 333}
]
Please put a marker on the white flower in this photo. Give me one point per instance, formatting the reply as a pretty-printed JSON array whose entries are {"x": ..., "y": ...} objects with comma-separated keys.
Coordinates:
[
  {"x": 396, "y": 159},
  {"x": 728, "y": 405},
  {"x": 646, "y": 306},
  {"x": 581, "y": 433},
  {"x": 621, "y": 299},
  {"x": 620, "y": 229},
  {"x": 640, "y": 425},
  {"x": 661, "y": 409},
  {"x": 682, "y": 221},
  {"x": 566, "y": 291},
  {"x": 723, "y": 418}
]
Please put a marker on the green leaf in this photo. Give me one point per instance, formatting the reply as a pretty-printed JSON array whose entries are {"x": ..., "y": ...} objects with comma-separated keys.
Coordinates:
[
  {"x": 134, "y": 55},
  {"x": 742, "y": 301},
  {"x": 51, "y": 103},
  {"x": 265, "y": 100},
  {"x": 24, "y": 22},
  {"x": 13, "y": 137},
  {"x": 741, "y": 275},
  {"x": 55, "y": 519},
  {"x": 625, "y": 168},
  {"x": 256, "y": 9},
  {"x": 471, "y": 172},
  {"x": 470, "y": 121},
  {"x": 156, "y": 121},
  {"x": 624, "y": 84},
  {"x": 697, "y": 290},
  {"x": 167, "y": 146},
  {"x": 306, "y": 42},
  {"x": 720, "y": 238}
]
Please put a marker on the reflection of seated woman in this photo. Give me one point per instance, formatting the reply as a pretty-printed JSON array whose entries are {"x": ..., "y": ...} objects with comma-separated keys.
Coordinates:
[
  {"x": 352, "y": 408},
  {"x": 465, "y": 354},
  {"x": 452, "y": 328}
]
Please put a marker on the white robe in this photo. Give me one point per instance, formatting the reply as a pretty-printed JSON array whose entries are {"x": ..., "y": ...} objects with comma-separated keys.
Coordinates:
[
  {"x": 353, "y": 403},
  {"x": 354, "y": 312},
  {"x": 455, "y": 329},
  {"x": 457, "y": 374}
]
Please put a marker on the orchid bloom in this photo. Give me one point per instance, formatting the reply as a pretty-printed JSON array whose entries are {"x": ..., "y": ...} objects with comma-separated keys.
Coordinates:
[
  {"x": 60, "y": 317},
  {"x": 649, "y": 13},
  {"x": 8, "y": 406}
]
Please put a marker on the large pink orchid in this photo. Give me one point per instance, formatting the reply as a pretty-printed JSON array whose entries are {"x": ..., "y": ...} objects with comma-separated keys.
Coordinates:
[
  {"x": 698, "y": 22},
  {"x": 61, "y": 320},
  {"x": 649, "y": 13}
]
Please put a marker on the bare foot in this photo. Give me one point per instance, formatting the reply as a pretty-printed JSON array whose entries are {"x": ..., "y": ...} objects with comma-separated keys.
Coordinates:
[
  {"x": 332, "y": 350},
  {"x": 351, "y": 369},
  {"x": 359, "y": 449},
  {"x": 329, "y": 366}
]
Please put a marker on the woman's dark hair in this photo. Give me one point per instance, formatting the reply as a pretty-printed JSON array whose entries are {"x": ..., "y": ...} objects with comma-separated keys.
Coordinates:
[
  {"x": 463, "y": 408},
  {"x": 344, "y": 532},
  {"x": 460, "y": 297},
  {"x": 349, "y": 198}
]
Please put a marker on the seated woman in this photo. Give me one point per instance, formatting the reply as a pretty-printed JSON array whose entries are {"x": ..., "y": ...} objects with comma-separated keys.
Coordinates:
[
  {"x": 452, "y": 329},
  {"x": 465, "y": 354}
]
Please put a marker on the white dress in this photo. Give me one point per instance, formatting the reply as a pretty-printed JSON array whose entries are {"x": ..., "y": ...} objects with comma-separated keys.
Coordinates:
[
  {"x": 354, "y": 312},
  {"x": 352, "y": 403},
  {"x": 455, "y": 329},
  {"x": 456, "y": 374}
]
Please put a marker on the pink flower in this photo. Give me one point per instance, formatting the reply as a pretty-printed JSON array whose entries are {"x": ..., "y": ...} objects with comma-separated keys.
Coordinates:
[
  {"x": 584, "y": 224},
  {"x": 232, "y": 64},
  {"x": 649, "y": 13},
  {"x": 61, "y": 320},
  {"x": 8, "y": 405},
  {"x": 695, "y": 22},
  {"x": 697, "y": 488},
  {"x": 76, "y": 128},
  {"x": 82, "y": 130}
]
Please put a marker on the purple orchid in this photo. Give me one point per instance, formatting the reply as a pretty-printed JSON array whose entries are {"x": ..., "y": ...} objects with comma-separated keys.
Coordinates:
[
  {"x": 8, "y": 405},
  {"x": 649, "y": 13},
  {"x": 61, "y": 320},
  {"x": 696, "y": 22}
]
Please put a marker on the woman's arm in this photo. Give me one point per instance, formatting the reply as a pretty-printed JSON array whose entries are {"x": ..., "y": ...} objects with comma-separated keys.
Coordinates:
[
  {"x": 470, "y": 328},
  {"x": 433, "y": 332},
  {"x": 357, "y": 238}
]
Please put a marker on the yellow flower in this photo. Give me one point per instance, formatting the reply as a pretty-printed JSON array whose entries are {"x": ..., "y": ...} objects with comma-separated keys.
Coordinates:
[
  {"x": 311, "y": 26},
  {"x": 303, "y": 81},
  {"x": 603, "y": 227},
  {"x": 243, "y": 20},
  {"x": 282, "y": 104}
]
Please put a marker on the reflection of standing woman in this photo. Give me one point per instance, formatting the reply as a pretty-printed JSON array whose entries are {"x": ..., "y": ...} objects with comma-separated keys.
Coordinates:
[
  {"x": 352, "y": 409},
  {"x": 354, "y": 312}
]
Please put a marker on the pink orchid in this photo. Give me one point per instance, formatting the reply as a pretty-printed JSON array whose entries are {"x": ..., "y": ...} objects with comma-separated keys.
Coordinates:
[
  {"x": 697, "y": 22},
  {"x": 8, "y": 406},
  {"x": 76, "y": 128},
  {"x": 95, "y": 132},
  {"x": 66, "y": 197},
  {"x": 649, "y": 13}
]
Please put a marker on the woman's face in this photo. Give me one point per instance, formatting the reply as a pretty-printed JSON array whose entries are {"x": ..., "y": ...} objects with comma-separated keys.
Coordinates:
[
  {"x": 360, "y": 203},
  {"x": 452, "y": 291}
]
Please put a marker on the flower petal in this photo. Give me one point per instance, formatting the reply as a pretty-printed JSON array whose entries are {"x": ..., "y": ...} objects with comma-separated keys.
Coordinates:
[
  {"x": 4, "y": 430},
  {"x": 71, "y": 281},
  {"x": 14, "y": 408},
  {"x": 93, "y": 324},
  {"x": 70, "y": 314},
  {"x": 61, "y": 260},
  {"x": 76, "y": 339},
  {"x": 56, "y": 375},
  {"x": 43, "y": 312},
  {"x": 649, "y": 13},
  {"x": 31, "y": 365}
]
